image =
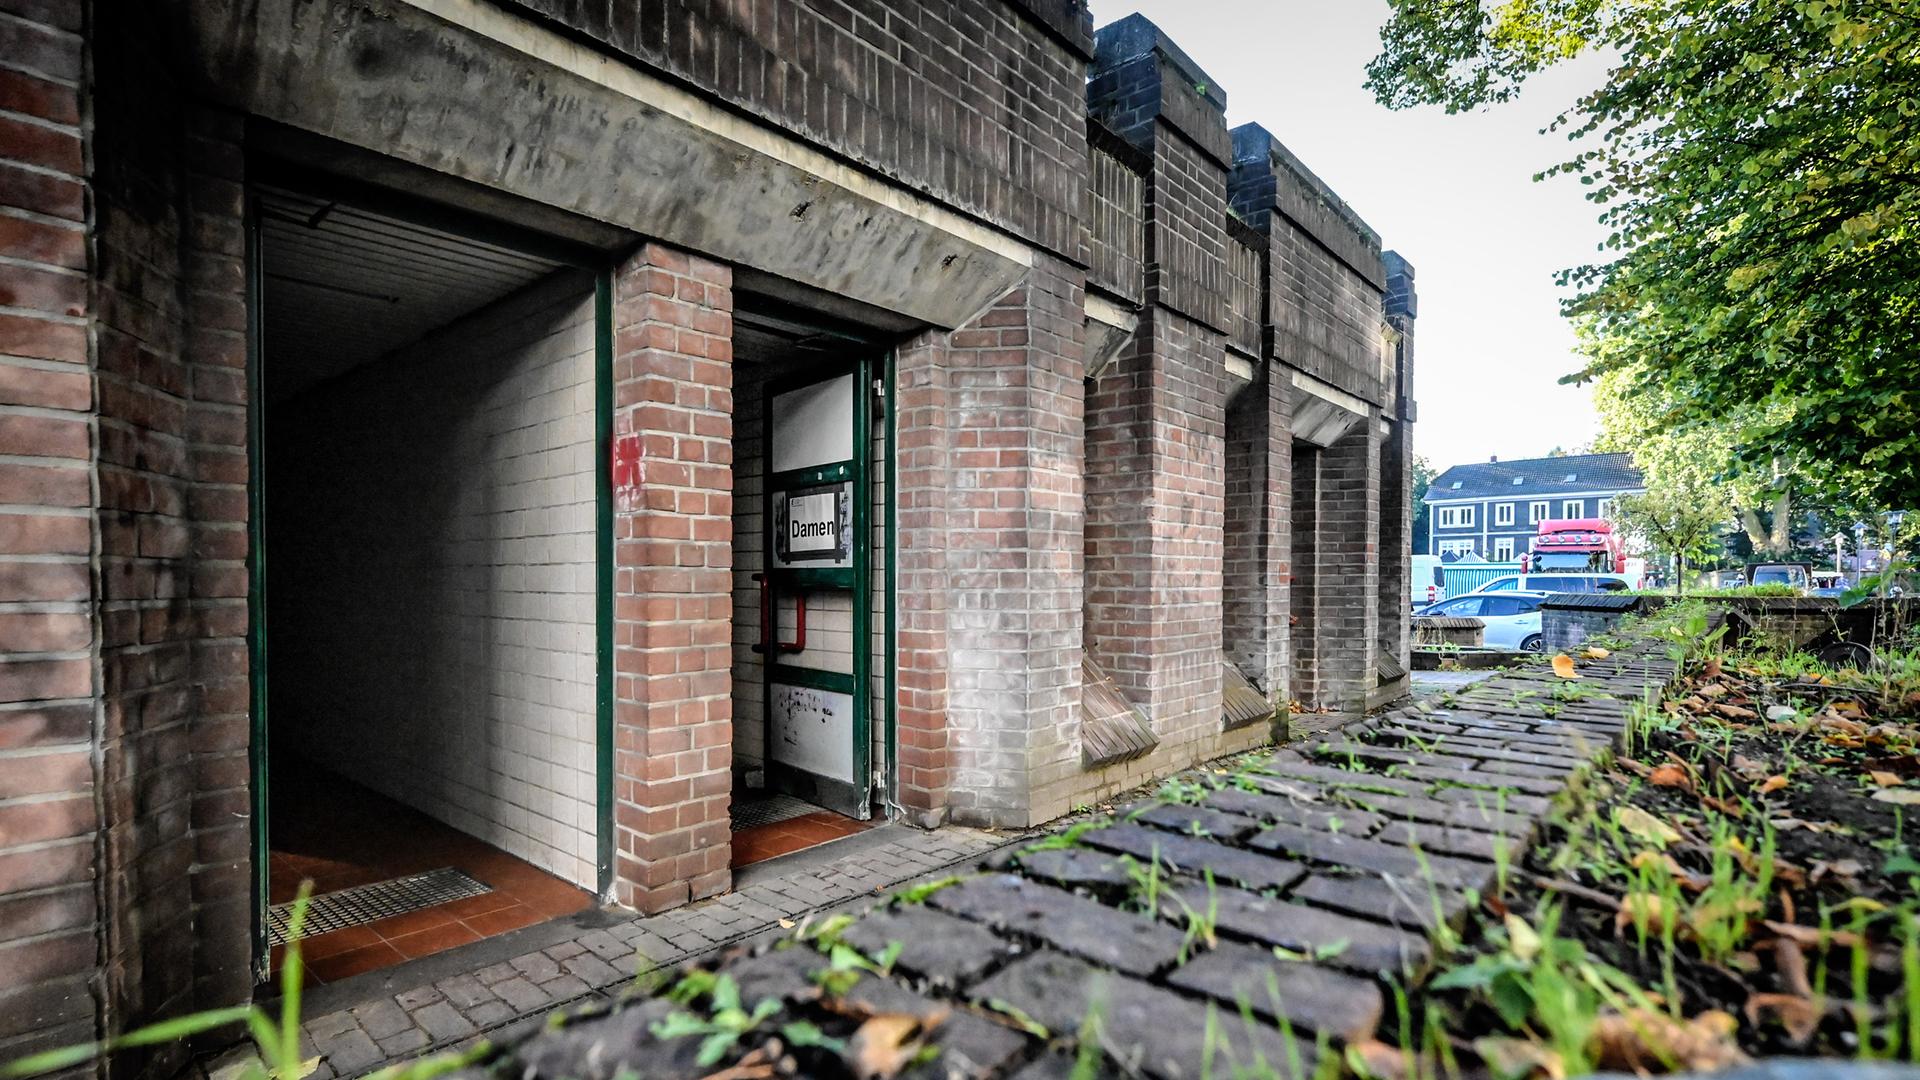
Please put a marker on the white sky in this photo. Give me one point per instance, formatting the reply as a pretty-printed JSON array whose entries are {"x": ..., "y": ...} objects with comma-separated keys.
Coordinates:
[{"x": 1454, "y": 194}]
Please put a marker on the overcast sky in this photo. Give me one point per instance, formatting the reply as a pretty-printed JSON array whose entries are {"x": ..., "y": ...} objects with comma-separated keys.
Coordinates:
[{"x": 1453, "y": 194}]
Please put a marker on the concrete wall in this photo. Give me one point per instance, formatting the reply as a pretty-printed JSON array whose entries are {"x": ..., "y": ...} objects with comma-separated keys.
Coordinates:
[{"x": 431, "y": 576}]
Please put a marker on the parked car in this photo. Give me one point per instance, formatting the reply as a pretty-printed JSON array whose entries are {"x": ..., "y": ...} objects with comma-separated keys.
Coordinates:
[
  {"x": 1553, "y": 583},
  {"x": 1793, "y": 575},
  {"x": 1512, "y": 618}
]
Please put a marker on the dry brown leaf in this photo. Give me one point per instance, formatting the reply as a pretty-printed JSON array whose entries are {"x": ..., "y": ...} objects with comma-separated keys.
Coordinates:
[
  {"x": 1735, "y": 712},
  {"x": 1641, "y": 909},
  {"x": 1645, "y": 826},
  {"x": 1519, "y": 1057},
  {"x": 1884, "y": 779},
  {"x": 1808, "y": 937},
  {"x": 1848, "y": 708},
  {"x": 1711, "y": 669},
  {"x": 1643, "y": 1040},
  {"x": 1900, "y": 796},
  {"x": 887, "y": 1042},
  {"x": 1712, "y": 690},
  {"x": 1383, "y": 1060},
  {"x": 1595, "y": 652},
  {"x": 1772, "y": 783},
  {"x": 1798, "y": 1015},
  {"x": 1671, "y": 775},
  {"x": 1563, "y": 667}
]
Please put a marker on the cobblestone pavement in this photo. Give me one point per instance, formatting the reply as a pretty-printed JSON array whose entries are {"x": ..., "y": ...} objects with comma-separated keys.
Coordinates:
[
  {"x": 441, "y": 1008},
  {"x": 1435, "y": 682},
  {"x": 1318, "y": 873}
]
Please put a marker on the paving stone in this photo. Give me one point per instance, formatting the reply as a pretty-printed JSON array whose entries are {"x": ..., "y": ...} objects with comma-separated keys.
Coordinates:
[
  {"x": 565, "y": 987},
  {"x": 330, "y": 1024},
  {"x": 1399, "y": 901},
  {"x": 1308, "y": 996},
  {"x": 1513, "y": 802},
  {"x": 350, "y": 1051},
  {"x": 442, "y": 1021},
  {"x": 1197, "y": 821},
  {"x": 1529, "y": 785},
  {"x": 1308, "y": 777},
  {"x": 779, "y": 975},
  {"x": 1159, "y": 1032},
  {"x": 521, "y": 994},
  {"x": 1317, "y": 815},
  {"x": 1071, "y": 923},
  {"x": 1374, "y": 856},
  {"x": 1442, "y": 840},
  {"x": 1196, "y": 857},
  {"x": 464, "y": 991},
  {"x": 493, "y": 973},
  {"x": 948, "y": 950},
  {"x": 537, "y": 967},
  {"x": 489, "y": 1013},
  {"x": 404, "y": 1042},
  {"x": 383, "y": 1018},
  {"x": 592, "y": 970},
  {"x": 1370, "y": 947},
  {"x": 619, "y": 1044},
  {"x": 969, "y": 1045},
  {"x": 604, "y": 945},
  {"x": 1459, "y": 814},
  {"x": 565, "y": 949},
  {"x": 1077, "y": 867},
  {"x": 1049, "y": 1067},
  {"x": 418, "y": 996}
]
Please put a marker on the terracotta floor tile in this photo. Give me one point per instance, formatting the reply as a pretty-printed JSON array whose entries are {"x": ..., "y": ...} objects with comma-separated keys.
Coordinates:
[
  {"x": 359, "y": 961},
  {"x": 477, "y": 905},
  {"x": 502, "y": 920},
  {"x": 411, "y": 923},
  {"x": 335, "y": 942},
  {"x": 438, "y": 939}
]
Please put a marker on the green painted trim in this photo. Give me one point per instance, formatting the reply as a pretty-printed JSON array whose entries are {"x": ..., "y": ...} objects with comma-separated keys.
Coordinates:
[
  {"x": 604, "y": 574},
  {"x": 837, "y": 472},
  {"x": 257, "y": 596},
  {"x": 838, "y": 682},
  {"x": 815, "y": 577},
  {"x": 890, "y": 655},
  {"x": 863, "y": 584}
]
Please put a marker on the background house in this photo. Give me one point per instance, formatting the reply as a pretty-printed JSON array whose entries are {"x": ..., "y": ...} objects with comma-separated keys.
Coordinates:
[{"x": 1493, "y": 509}]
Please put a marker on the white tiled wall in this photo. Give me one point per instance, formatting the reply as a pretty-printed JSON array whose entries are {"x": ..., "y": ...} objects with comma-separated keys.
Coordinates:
[{"x": 431, "y": 576}]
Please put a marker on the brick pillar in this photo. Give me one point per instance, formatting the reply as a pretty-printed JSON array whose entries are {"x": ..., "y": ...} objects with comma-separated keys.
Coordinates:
[
  {"x": 922, "y": 494},
  {"x": 1258, "y": 550},
  {"x": 1156, "y": 502},
  {"x": 673, "y": 603},
  {"x": 990, "y": 540},
  {"x": 1396, "y": 463},
  {"x": 48, "y": 948},
  {"x": 1303, "y": 601},
  {"x": 1348, "y": 582}
]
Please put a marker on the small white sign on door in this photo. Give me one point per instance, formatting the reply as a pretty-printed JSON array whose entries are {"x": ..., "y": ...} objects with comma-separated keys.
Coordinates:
[{"x": 813, "y": 523}]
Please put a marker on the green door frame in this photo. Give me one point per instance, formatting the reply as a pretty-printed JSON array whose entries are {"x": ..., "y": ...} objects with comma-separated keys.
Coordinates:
[
  {"x": 855, "y": 799},
  {"x": 408, "y": 207}
]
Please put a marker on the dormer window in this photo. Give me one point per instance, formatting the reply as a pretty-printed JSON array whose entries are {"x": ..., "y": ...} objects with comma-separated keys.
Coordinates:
[
  {"x": 1571, "y": 476},
  {"x": 1518, "y": 480},
  {"x": 1456, "y": 485}
]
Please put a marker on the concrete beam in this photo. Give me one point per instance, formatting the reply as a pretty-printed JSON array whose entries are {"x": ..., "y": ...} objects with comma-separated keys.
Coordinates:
[{"x": 468, "y": 89}]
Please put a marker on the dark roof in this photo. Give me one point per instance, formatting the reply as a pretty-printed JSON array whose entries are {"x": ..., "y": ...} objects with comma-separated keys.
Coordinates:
[{"x": 1537, "y": 476}]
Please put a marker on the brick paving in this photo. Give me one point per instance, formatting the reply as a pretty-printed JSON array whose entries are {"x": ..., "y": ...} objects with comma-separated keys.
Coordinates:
[
  {"x": 1324, "y": 870},
  {"x": 597, "y": 964}
]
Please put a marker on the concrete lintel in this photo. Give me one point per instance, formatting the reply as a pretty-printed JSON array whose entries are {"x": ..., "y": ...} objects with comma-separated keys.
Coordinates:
[
  {"x": 1239, "y": 367},
  {"x": 419, "y": 80},
  {"x": 1325, "y": 413}
]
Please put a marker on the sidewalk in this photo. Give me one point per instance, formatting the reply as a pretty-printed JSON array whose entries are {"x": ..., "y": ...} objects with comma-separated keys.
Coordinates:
[
  {"x": 1251, "y": 917},
  {"x": 486, "y": 989}
]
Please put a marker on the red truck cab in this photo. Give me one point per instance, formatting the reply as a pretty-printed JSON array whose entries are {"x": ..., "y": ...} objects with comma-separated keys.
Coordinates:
[{"x": 1577, "y": 545}]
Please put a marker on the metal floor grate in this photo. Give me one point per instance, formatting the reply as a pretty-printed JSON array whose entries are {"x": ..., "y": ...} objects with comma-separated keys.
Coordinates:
[
  {"x": 363, "y": 904},
  {"x": 767, "y": 810}
]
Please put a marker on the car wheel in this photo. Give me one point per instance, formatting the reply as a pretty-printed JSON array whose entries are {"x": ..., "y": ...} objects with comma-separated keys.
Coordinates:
[{"x": 1534, "y": 643}]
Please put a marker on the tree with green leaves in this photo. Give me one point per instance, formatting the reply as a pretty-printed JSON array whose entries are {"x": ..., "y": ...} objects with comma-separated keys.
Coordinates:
[
  {"x": 1422, "y": 478},
  {"x": 1757, "y": 163},
  {"x": 1677, "y": 522}
]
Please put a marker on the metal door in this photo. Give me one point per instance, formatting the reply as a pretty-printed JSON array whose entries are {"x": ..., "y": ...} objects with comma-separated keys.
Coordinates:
[{"x": 818, "y": 501}]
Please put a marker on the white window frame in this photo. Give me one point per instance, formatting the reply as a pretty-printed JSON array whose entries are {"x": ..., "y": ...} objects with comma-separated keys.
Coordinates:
[
  {"x": 1453, "y": 517},
  {"x": 1456, "y": 547},
  {"x": 1579, "y": 508},
  {"x": 1537, "y": 511},
  {"x": 1503, "y": 513},
  {"x": 1606, "y": 508},
  {"x": 1503, "y": 549}
]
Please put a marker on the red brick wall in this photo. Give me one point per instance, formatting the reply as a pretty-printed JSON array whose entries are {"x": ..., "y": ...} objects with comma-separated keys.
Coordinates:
[
  {"x": 1347, "y": 621},
  {"x": 1156, "y": 491},
  {"x": 1303, "y": 602},
  {"x": 673, "y": 601},
  {"x": 48, "y": 816},
  {"x": 1257, "y": 550},
  {"x": 922, "y": 495}
]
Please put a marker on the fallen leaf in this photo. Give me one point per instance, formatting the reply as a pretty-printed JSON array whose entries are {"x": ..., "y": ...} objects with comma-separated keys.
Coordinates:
[
  {"x": 1735, "y": 712},
  {"x": 1521, "y": 938},
  {"x": 1772, "y": 783},
  {"x": 1799, "y": 1016},
  {"x": 1781, "y": 713},
  {"x": 1671, "y": 776},
  {"x": 786, "y": 924},
  {"x": 1712, "y": 690},
  {"x": 1595, "y": 652},
  {"x": 1641, "y": 911},
  {"x": 1640, "y": 1040},
  {"x": 1563, "y": 667},
  {"x": 1848, "y": 708},
  {"x": 1378, "y": 1059},
  {"x": 1645, "y": 826},
  {"x": 1808, "y": 937},
  {"x": 1885, "y": 779},
  {"x": 1711, "y": 669},
  {"x": 1519, "y": 1057},
  {"x": 1901, "y": 796},
  {"x": 887, "y": 1042}
]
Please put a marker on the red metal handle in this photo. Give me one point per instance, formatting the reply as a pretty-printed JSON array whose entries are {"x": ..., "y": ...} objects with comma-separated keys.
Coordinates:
[{"x": 799, "y": 643}]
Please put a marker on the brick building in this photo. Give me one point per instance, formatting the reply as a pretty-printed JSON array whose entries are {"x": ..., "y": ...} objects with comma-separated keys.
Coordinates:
[
  {"x": 923, "y": 410},
  {"x": 1493, "y": 509}
]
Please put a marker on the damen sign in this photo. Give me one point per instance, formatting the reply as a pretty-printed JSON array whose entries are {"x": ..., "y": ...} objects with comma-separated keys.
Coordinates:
[{"x": 813, "y": 525}]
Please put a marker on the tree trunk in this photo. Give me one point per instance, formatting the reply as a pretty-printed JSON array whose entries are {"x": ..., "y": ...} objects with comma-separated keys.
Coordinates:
[
  {"x": 1756, "y": 532},
  {"x": 1679, "y": 575},
  {"x": 1782, "y": 535}
]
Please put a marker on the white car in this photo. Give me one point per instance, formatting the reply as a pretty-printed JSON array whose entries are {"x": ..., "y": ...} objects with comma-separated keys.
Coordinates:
[
  {"x": 1553, "y": 583},
  {"x": 1512, "y": 618}
]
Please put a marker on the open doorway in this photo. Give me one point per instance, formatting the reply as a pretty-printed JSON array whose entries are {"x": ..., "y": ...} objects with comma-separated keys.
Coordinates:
[
  {"x": 810, "y": 551},
  {"x": 429, "y": 558}
]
